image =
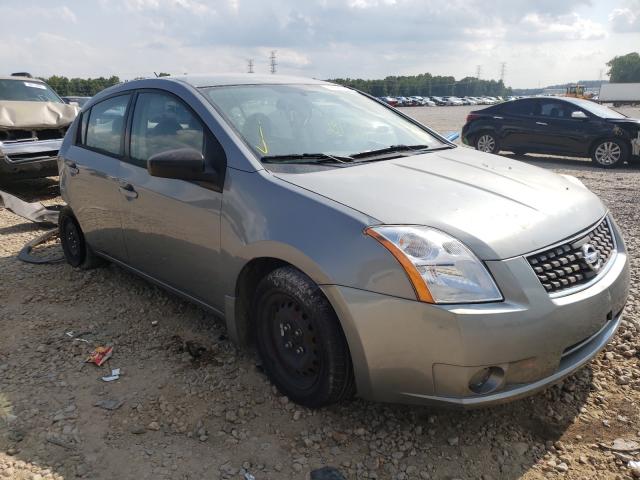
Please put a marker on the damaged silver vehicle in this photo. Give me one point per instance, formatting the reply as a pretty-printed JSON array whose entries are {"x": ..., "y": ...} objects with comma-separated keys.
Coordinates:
[{"x": 33, "y": 122}]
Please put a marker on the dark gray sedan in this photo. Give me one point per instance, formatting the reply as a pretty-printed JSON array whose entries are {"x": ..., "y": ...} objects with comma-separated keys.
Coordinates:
[{"x": 358, "y": 250}]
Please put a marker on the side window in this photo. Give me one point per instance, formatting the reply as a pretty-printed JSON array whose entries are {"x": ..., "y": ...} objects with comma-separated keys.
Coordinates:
[
  {"x": 552, "y": 109},
  {"x": 105, "y": 126},
  {"x": 161, "y": 122},
  {"x": 81, "y": 135},
  {"x": 518, "y": 108}
]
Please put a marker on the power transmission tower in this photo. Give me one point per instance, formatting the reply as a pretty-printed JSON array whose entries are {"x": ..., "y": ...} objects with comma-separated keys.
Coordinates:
[
  {"x": 273, "y": 61},
  {"x": 250, "y": 64},
  {"x": 478, "y": 71},
  {"x": 503, "y": 69}
]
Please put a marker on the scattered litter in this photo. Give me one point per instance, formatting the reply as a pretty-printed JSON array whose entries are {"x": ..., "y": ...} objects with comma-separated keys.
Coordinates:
[
  {"x": 635, "y": 468},
  {"x": 326, "y": 473},
  {"x": 248, "y": 476},
  {"x": 154, "y": 323},
  {"x": 36, "y": 212},
  {"x": 54, "y": 439},
  {"x": 25, "y": 253},
  {"x": 71, "y": 334},
  {"x": 115, "y": 375},
  {"x": 622, "y": 445},
  {"x": 100, "y": 355},
  {"x": 110, "y": 404}
]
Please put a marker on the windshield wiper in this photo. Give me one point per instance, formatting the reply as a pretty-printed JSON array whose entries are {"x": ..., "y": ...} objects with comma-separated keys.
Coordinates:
[
  {"x": 306, "y": 158},
  {"x": 390, "y": 149}
]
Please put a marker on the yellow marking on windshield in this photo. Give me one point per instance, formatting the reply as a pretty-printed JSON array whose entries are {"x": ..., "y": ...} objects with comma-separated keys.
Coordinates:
[{"x": 264, "y": 149}]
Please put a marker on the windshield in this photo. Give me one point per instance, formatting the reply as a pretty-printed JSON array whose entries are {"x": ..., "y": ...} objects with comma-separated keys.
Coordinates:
[
  {"x": 27, "y": 91},
  {"x": 597, "y": 109},
  {"x": 278, "y": 120}
]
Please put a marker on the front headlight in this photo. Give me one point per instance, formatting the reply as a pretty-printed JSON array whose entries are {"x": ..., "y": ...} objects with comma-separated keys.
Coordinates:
[{"x": 440, "y": 268}]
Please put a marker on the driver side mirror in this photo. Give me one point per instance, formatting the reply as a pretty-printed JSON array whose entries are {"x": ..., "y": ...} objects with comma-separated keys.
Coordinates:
[
  {"x": 181, "y": 163},
  {"x": 579, "y": 115}
]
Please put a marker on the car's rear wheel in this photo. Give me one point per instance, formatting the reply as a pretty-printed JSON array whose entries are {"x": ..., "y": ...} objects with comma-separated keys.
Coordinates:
[
  {"x": 76, "y": 250},
  {"x": 609, "y": 153},
  {"x": 299, "y": 338},
  {"x": 487, "y": 142}
]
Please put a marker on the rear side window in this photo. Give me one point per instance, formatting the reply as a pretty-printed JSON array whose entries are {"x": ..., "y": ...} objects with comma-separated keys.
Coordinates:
[
  {"x": 518, "y": 108},
  {"x": 105, "y": 128},
  {"x": 161, "y": 122}
]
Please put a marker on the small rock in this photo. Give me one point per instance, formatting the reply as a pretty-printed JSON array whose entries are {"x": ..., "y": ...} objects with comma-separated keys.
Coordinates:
[
  {"x": 562, "y": 467},
  {"x": 138, "y": 430},
  {"x": 153, "y": 426},
  {"x": 453, "y": 441}
]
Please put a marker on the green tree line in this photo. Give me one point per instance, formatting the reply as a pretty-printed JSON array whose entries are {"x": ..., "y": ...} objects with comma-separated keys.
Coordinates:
[
  {"x": 81, "y": 87},
  {"x": 625, "y": 68},
  {"x": 426, "y": 84}
]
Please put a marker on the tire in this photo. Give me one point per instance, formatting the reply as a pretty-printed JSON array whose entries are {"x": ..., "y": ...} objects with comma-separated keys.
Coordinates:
[
  {"x": 303, "y": 349},
  {"x": 609, "y": 153},
  {"x": 487, "y": 142},
  {"x": 76, "y": 250}
]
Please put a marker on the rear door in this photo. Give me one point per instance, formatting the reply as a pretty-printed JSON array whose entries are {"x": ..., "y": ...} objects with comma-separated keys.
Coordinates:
[
  {"x": 514, "y": 122},
  {"x": 172, "y": 227},
  {"x": 92, "y": 168}
]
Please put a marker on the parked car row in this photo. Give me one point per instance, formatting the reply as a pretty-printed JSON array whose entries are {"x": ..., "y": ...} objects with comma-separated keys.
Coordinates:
[{"x": 432, "y": 101}]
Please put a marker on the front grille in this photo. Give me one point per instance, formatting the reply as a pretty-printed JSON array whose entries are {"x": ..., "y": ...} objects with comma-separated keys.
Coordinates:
[
  {"x": 564, "y": 266},
  {"x": 41, "y": 134}
]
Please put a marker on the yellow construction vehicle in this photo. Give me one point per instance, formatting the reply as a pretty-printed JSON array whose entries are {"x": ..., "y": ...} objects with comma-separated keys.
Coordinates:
[{"x": 577, "y": 91}]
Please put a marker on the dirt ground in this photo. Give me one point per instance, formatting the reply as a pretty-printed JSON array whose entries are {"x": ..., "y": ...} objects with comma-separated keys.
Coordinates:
[{"x": 189, "y": 405}]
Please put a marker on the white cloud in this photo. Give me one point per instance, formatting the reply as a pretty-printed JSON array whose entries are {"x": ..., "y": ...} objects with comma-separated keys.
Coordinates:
[
  {"x": 626, "y": 18},
  {"x": 547, "y": 41}
]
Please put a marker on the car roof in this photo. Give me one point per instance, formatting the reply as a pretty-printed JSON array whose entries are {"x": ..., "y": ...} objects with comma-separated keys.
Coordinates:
[
  {"x": 24, "y": 79},
  {"x": 222, "y": 79}
]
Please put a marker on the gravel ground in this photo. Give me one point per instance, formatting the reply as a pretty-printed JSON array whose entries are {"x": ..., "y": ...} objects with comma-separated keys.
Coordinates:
[{"x": 189, "y": 405}]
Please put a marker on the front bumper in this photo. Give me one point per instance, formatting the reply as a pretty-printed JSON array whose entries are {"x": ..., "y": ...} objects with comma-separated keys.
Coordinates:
[
  {"x": 32, "y": 159},
  {"x": 410, "y": 352}
]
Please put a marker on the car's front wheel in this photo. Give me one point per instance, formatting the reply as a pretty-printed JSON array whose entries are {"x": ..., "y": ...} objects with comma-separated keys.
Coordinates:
[
  {"x": 76, "y": 250},
  {"x": 487, "y": 142},
  {"x": 303, "y": 349},
  {"x": 609, "y": 153}
]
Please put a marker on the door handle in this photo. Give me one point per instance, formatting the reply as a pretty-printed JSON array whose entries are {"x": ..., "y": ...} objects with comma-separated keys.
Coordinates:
[
  {"x": 127, "y": 190},
  {"x": 73, "y": 168},
  {"x": 542, "y": 123}
]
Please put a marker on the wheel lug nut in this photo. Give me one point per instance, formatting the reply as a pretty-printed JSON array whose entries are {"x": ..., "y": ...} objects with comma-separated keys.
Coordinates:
[
  {"x": 300, "y": 350},
  {"x": 288, "y": 345},
  {"x": 298, "y": 333},
  {"x": 286, "y": 327}
]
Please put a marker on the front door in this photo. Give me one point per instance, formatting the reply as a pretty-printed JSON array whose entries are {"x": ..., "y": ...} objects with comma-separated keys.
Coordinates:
[{"x": 171, "y": 227}]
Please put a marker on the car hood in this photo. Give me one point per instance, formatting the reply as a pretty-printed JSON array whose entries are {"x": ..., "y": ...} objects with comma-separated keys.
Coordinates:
[
  {"x": 35, "y": 115},
  {"x": 500, "y": 208}
]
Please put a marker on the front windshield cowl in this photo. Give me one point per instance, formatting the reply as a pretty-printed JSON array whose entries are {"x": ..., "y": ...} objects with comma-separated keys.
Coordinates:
[{"x": 279, "y": 120}]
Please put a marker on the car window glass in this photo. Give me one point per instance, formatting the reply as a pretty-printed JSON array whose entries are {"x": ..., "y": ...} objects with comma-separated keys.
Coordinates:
[
  {"x": 82, "y": 134},
  {"x": 106, "y": 125},
  {"x": 518, "y": 108},
  {"x": 554, "y": 110},
  {"x": 27, "y": 91},
  {"x": 298, "y": 119},
  {"x": 161, "y": 122}
]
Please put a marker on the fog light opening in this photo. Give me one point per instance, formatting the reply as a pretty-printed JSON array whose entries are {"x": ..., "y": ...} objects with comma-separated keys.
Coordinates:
[{"x": 486, "y": 380}]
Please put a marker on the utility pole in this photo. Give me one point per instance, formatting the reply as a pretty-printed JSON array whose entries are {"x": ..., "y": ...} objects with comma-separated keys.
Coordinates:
[
  {"x": 478, "y": 71},
  {"x": 272, "y": 58},
  {"x": 250, "y": 64},
  {"x": 503, "y": 69}
]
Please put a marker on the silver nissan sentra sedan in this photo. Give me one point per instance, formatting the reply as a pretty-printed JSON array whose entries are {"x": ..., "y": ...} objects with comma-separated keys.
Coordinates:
[{"x": 358, "y": 250}]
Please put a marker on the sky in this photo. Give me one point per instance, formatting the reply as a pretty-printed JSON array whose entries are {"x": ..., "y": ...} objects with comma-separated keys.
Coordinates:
[{"x": 541, "y": 42}]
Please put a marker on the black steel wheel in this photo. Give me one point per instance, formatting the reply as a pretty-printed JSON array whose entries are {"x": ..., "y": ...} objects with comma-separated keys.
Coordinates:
[
  {"x": 76, "y": 251},
  {"x": 303, "y": 349}
]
